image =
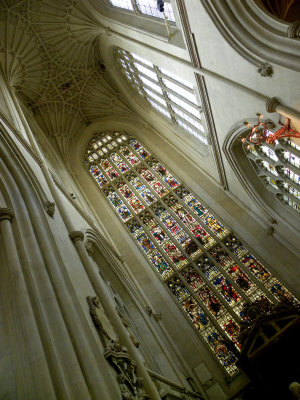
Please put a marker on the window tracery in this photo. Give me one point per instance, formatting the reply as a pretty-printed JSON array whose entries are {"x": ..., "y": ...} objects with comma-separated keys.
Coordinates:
[
  {"x": 207, "y": 269},
  {"x": 145, "y": 7},
  {"x": 279, "y": 169},
  {"x": 167, "y": 93}
]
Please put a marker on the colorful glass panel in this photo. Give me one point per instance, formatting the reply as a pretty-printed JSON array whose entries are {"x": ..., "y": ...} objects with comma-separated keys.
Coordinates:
[
  {"x": 130, "y": 197},
  {"x": 198, "y": 317},
  {"x": 164, "y": 173},
  {"x": 110, "y": 171},
  {"x": 178, "y": 289},
  {"x": 193, "y": 278},
  {"x": 133, "y": 160},
  {"x": 143, "y": 153},
  {"x": 98, "y": 175},
  {"x": 123, "y": 167},
  {"x": 153, "y": 182},
  {"x": 178, "y": 233},
  {"x": 220, "y": 348},
  {"x": 118, "y": 204}
]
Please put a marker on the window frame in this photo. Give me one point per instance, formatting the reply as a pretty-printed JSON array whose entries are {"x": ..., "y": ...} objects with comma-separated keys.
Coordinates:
[
  {"x": 192, "y": 124},
  {"x": 226, "y": 242},
  {"x": 136, "y": 10}
]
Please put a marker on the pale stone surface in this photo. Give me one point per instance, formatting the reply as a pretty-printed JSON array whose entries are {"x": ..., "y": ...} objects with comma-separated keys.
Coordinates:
[{"x": 48, "y": 336}]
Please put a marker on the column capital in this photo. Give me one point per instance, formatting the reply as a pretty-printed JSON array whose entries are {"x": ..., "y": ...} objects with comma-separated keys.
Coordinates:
[
  {"x": 293, "y": 30},
  {"x": 271, "y": 105},
  {"x": 6, "y": 213},
  {"x": 76, "y": 235}
]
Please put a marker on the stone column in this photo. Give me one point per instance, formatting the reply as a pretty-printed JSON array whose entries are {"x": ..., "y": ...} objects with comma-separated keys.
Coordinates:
[
  {"x": 273, "y": 105},
  {"x": 111, "y": 312},
  {"x": 31, "y": 376}
]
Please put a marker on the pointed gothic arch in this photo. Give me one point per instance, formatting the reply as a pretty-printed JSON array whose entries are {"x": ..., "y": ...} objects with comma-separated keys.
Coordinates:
[
  {"x": 251, "y": 172},
  {"x": 205, "y": 266}
]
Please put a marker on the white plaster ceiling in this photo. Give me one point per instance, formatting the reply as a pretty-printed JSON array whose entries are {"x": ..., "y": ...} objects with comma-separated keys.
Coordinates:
[{"x": 49, "y": 55}]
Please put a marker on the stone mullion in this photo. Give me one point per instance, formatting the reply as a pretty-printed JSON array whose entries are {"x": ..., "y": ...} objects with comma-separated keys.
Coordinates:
[
  {"x": 204, "y": 331},
  {"x": 212, "y": 318},
  {"x": 252, "y": 277},
  {"x": 262, "y": 156},
  {"x": 218, "y": 241},
  {"x": 214, "y": 290},
  {"x": 142, "y": 163},
  {"x": 203, "y": 306},
  {"x": 285, "y": 163},
  {"x": 291, "y": 198},
  {"x": 283, "y": 145},
  {"x": 143, "y": 160},
  {"x": 264, "y": 171},
  {"x": 227, "y": 276},
  {"x": 201, "y": 223},
  {"x": 114, "y": 165},
  {"x": 165, "y": 94},
  {"x": 287, "y": 193},
  {"x": 123, "y": 157},
  {"x": 189, "y": 123},
  {"x": 136, "y": 192},
  {"x": 135, "y": 219},
  {"x": 185, "y": 228},
  {"x": 114, "y": 186},
  {"x": 135, "y": 7},
  {"x": 183, "y": 109},
  {"x": 126, "y": 202},
  {"x": 169, "y": 234},
  {"x": 199, "y": 220},
  {"x": 288, "y": 180},
  {"x": 157, "y": 245},
  {"x": 161, "y": 75},
  {"x": 104, "y": 174},
  {"x": 169, "y": 90},
  {"x": 148, "y": 186},
  {"x": 223, "y": 301},
  {"x": 137, "y": 73},
  {"x": 159, "y": 178}
]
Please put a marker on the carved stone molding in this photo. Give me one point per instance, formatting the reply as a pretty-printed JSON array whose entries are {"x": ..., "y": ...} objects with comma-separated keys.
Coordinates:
[
  {"x": 271, "y": 105},
  {"x": 6, "y": 213},
  {"x": 156, "y": 316},
  {"x": 237, "y": 22},
  {"x": 103, "y": 324},
  {"x": 130, "y": 385},
  {"x": 270, "y": 231},
  {"x": 126, "y": 323},
  {"x": 265, "y": 70},
  {"x": 50, "y": 208},
  {"x": 76, "y": 235},
  {"x": 89, "y": 248},
  {"x": 293, "y": 30}
]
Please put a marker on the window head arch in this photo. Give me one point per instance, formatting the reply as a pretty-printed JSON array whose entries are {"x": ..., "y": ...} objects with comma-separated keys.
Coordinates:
[
  {"x": 167, "y": 93},
  {"x": 207, "y": 269},
  {"x": 278, "y": 167}
]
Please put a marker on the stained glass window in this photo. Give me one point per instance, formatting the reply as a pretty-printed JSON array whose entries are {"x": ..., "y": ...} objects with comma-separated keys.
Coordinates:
[
  {"x": 166, "y": 92},
  {"x": 279, "y": 169},
  {"x": 206, "y": 268},
  {"x": 146, "y": 7}
]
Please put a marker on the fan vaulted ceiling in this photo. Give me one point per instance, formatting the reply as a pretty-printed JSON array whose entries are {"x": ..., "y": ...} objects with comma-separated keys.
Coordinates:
[{"x": 49, "y": 55}]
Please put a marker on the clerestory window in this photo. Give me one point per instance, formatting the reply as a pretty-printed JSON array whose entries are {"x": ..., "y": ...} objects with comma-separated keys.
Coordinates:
[
  {"x": 278, "y": 167},
  {"x": 167, "y": 93},
  {"x": 145, "y": 7},
  {"x": 208, "y": 270}
]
